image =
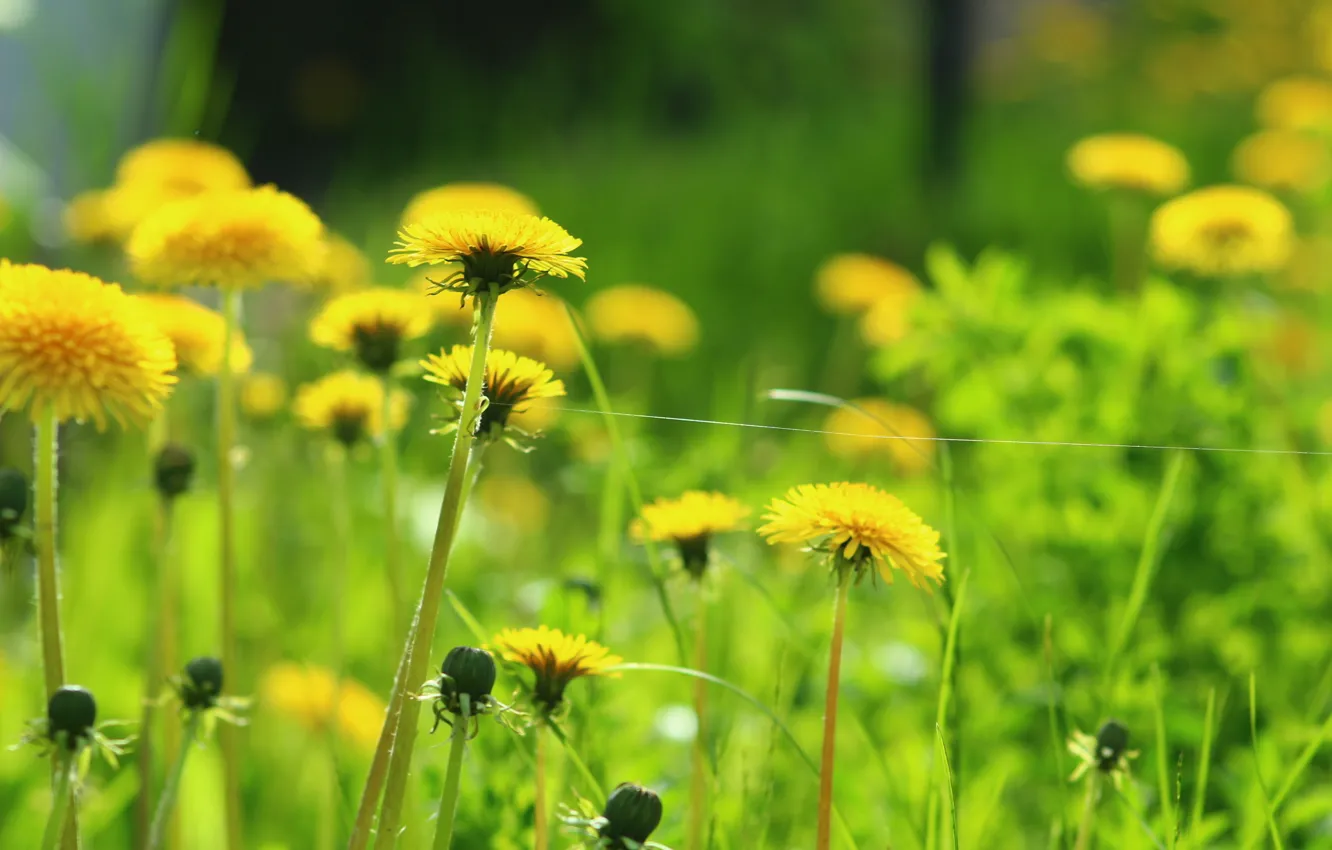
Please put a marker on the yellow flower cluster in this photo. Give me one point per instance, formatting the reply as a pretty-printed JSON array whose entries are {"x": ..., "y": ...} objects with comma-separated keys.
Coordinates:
[{"x": 1128, "y": 161}]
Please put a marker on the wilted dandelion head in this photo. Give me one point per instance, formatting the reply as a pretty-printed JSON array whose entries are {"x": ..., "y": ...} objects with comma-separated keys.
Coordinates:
[
  {"x": 344, "y": 267},
  {"x": 642, "y": 314},
  {"x": 314, "y": 697},
  {"x": 235, "y": 240},
  {"x": 1283, "y": 160},
  {"x": 197, "y": 333},
  {"x": 491, "y": 248},
  {"x": 262, "y": 395},
  {"x": 556, "y": 659},
  {"x": 689, "y": 522},
  {"x": 79, "y": 348},
  {"x": 1223, "y": 230},
  {"x": 462, "y": 197},
  {"x": 511, "y": 382},
  {"x": 855, "y": 435},
  {"x": 860, "y": 526},
  {"x": 1128, "y": 161},
  {"x": 1296, "y": 103},
  {"x": 372, "y": 323},
  {"x": 349, "y": 406},
  {"x": 852, "y": 283}
]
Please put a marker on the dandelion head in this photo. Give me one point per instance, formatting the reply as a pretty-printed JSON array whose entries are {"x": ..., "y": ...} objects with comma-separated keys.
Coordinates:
[
  {"x": 318, "y": 700},
  {"x": 348, "y": 406},
  {"x": 860, "y": 527},
  {"x": 91, "y": 217},
  {"x": 888, "y": 320},
  {"x": 343, "y": 268},
  {"x": 852, "y": 283},
  {"x": 1283, "y": 161},
  {"x": 556, "y": 659},
  {"x": 1128, "y": 161},
  {"x": 511, "y": 383},
  {"x": 1296, "y": 103},
  {"x": 462, "y": 197},
  {"x": 181, "y": 168},
  {"x": 372, "y": 323},
  {"x": 874, "y": 427},
  {"x": 515, "y": 500},
  {"x": 78, "y": 348},
  {"x": 645, "y": 315},
  {"x": 1223, "y": 230},
  {"x": 689, "y": 522},
  {"x": 632, "y": 814},
  {"x": 262, "y": 395},
  {"x": 197, "y": 332}
]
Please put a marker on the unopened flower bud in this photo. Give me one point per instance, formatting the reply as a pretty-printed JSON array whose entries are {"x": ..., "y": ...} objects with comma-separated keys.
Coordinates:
[
  {"x": 71, "y": 713},
  {"x": 1112, "y": 741},
  {"x": 632, "y": 812},
  {"x": 13, "y": 500},
  {"x": 173, "y": 470},
  {"x": 472, "y": 672},
  {"x": 202, "y": 683}
]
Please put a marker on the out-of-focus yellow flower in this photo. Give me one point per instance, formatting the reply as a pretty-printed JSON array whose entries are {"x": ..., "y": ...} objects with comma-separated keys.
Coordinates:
[
  {"x": 89, "y": 217},
  {"x": 464, "y": 197},
  {"x": 853, "y": 434},
  {"x": 1283, "y": 160},
  {"x": 1128, "y": 161},
  {"x": 80, "y": 348},
  {"x": 514, "y": 499},
  {"x": 371, "y": 322},
  {"x": 262, "y": 395},
  {"x": 1310, "y": 266},
  {"x": 343, "y": 267},
  {"x": 888, "y": 320},
  {"x": 526, "y": 321},
  {"x": 689, "y": 522},
  {"x": 859, "y": 525},
  {"x": 1067, "y": 33},
  {"x": 237, "y": 240},
  {"x": 511, "y": 382},
  {"x": 852, "y": 283},
  {"x": 1296, "y": 103},
  {"x": 535, "y": 416},
  {"x": 197, "y": 333},
  {"x": 634, "y": 313},
  {"x": 556, "y": 659},
  {"x": 315, "y": 698},
  {"x": 349, "y": 406},
  {"x": 1223, "y": 230},
  {"x": 181, "y": 168}
]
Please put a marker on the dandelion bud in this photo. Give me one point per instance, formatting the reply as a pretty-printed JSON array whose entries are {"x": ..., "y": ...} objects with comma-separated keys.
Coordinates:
[
  {"x": 632, "y": 812},
  {"x": 472, "y": 672},
  {"x": 202, "y": 683},
  {"x": 173, "y": 470},
  {"x": 71, "y": 712},
  {"x": 1112, "y": 741},
  {"x": 13, "y": 500}
]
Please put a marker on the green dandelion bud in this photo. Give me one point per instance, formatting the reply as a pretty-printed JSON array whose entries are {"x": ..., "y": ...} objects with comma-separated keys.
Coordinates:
[
  {"x": 201, "y": 685},
  {"x": 1112, "y": 742},
  {"x": 469, "y": 671},
  {"x": 13, "y": 500},
  {"x": 173, "y": 470},
  {"x": 70, "y": 716},
  {"x": 632, "y": 812}
]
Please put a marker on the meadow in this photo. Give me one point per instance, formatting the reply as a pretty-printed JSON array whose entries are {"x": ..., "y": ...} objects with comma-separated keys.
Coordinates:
[{"x": 826, "y": 496}]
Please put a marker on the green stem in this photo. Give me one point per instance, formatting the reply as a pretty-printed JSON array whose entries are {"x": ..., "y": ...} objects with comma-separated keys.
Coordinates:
[
  {"x": 417, "y": 649},
  {"x": 1088, "y": 822},
  {"x": 61, "y": 794},
  {"x": 164, "y": 627},
  {"x": 374, "y": 781},
  {"x": 228, "y": 736},
  {"x": 448, "y": 801},
  {"x": 388, "y": 460},
  {"x": 171, "y": 788},
  {"x": 698, "y": 777},
  {"x": 539, "y": 826},
  {"x": 48, "y": 588},
  {"x": 828, "y": 763}
]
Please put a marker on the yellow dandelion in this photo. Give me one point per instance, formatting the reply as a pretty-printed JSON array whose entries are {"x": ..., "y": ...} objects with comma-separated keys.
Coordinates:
[
  {"x": 1128, "y": 161},
  {"x": 641, "y": 314},
  {"x": 490, "y": 247},
  {"x": 853, "y": 434},
  {"x": 371, "y": 322},
  {"x": 90, "y": 217},
  {"x": 262, "y": 395},
  {"x": 888, "y": 320},
  {"x": 515, "y": 500},
  {"x": 689, "y": 522},
  {"x": 511, "y": 383},
  {"x": 852, "y": 283},
  {"x": 526, "y": 322},
  {"x": 78, "y": 348},
  {"x": 859, "y": 525},
  {"x": 556, "y": 659},
  {"x": 349, "y": 406},
  {"x": 315, "y": 698},
  {"x": 535, "y": 416},
  {"x": 235, "y": 240},
  {"x": 196, "y": 332},
  {"x": 464, "y": 197},
  {"x": 1296, "y": 103},
  {"x": 1283, "y": 160},
  {"x": 182, "y": 167},
  {"x": 1223, "y": 230},
  {"x": 343, "y": 268}
]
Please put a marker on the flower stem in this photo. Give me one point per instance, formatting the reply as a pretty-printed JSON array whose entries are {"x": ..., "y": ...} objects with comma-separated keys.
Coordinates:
[
  {"x": 228, "y": 736},
  {"x": 388, "y": 460},
  {"x": 417, "y": 649},
  {"x": 448, "y": 801},
  {"x": 171, "y": 788},
  {"x": 62, "y": 791},
  {"x": 374, "y": 781},
  {"x": 698, "y": 782},
  {"x": 540, "y": 827},
  {"x": 829, "y": 761},
  {"x": 48, "y": 588},
  {"x": 161, "y": 657},
  {"x": 1087, "y": 825}
]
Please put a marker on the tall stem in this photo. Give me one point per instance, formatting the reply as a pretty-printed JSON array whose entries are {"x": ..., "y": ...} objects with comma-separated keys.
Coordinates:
[
  {"x": 374, "y": 781},
  {"x": 540, "y": 826},
  {"x": 161, "y": 657},
  {"x": 448, "y": 801},
  {"x": 698, "y": 784},
  {"x": 58, "y": 821},
  {"x": 388, "y": 460},
  {"x": 341, "y": 570},
  {"x": 1086, "y": 826},
  {"x": 228, "y": 736},
  {"x": 417, "y": 649},
  {"x": 171, "y": 788},
  {"x": 48, "y": 587},
  {"x": 829, "y": 761}
]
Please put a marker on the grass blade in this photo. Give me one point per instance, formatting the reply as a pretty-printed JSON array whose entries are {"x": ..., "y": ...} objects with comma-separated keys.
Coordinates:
[
  {"x": 1168, "y": 814},
  {"x": 948, "y": 775},
  {"x": 1204, "y": 764},
  {"x": 1258, "y": 767}
]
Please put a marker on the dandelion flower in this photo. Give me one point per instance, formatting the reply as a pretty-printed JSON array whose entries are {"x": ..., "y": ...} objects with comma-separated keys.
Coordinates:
[
  {"x": 642, "y": 314},
  {"x": 182, "y": 167},
  {"x": 315, "y": 697},
  {"x": 853, "y": 434},
  {"x": 490, "y": 247},
  {"x": 262, "y": 395},
  {"x": 860, "y": 526},
  {"x": 1223, "y": 230},
  {"x": 514, "y": 500},
  {"x": 888, "y": 320},
  {"x": 196, "y": 332},
  {"x": 349, "y": 406},
  {"x": 342, "y": 269},
  {"x": 556, "y": 659},
  {"x": 852, "y": 283},
  {"x": 78, "y": 348},
  {"x": 90, "y": 217},
  {"x": 689, "y": 522},
  {"x": 1128, "y": 161},
  {"x": 465, "y": 197},
  {"x": 1296, "y": 103},
  {"x": 371, "y": 322},
  {"x": 511, "y": 382},
  {"x": 238, "y": 240},
  {"x": 1283, "y": 160}
]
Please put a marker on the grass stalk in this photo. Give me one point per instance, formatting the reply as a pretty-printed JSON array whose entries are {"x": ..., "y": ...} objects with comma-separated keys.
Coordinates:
[
  {"x": 228, "y": 735},
  {"x": 1204, "y": 764},
  {"x": 61, "y": 795},
  {"x": 388, "y": 462},
  {"x": 828, "y": 763},
  {"x": 540, "y": 826},
  {"x": 161, "y": 657},
  {"x": 698, "y": 777},
  {"x": 1087, "y": 823},
  {"x": 171, "y": 788},
  {"x": 448, "y": 800}
]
